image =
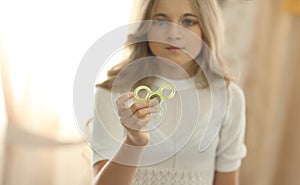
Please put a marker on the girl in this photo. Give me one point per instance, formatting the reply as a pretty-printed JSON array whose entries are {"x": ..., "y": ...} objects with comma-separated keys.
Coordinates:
[{"x": 218, "y": 164}]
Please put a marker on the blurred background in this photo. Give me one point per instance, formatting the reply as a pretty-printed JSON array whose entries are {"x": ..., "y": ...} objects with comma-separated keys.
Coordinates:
[{"x": 43, "y": 41}]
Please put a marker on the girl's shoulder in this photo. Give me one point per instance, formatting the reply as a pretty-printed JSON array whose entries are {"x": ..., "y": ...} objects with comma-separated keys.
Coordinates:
[
  {"x": 233, "y": 91},
  {"x": 102, "y": 97},
  {"x": 235, "y": 106},
  {"x": 100, "y": 89},
  {"x": 235, "y": 94},
  {"x": 100, "y": 92}
]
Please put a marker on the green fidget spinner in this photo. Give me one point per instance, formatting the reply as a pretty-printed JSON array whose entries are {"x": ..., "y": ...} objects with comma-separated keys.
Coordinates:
[{"x": 159, "y": 95}]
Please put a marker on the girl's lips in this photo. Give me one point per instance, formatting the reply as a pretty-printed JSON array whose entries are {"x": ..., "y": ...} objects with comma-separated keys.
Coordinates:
[{"x": 173, "y": 48}]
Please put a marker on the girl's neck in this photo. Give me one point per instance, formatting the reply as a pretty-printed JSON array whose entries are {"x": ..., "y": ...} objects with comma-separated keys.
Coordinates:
[{"x": 176, "y": 72}]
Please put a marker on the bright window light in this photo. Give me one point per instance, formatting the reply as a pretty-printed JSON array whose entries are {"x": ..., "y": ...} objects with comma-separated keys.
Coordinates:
[{"x": 45, "y": 40}]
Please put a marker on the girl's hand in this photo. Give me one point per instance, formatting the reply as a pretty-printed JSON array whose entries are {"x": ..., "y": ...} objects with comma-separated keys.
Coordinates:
[{"x": 135, "y": 118}]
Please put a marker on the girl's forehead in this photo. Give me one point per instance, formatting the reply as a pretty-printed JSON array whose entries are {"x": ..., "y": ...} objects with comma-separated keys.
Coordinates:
[{"x": 174, "y": 7}]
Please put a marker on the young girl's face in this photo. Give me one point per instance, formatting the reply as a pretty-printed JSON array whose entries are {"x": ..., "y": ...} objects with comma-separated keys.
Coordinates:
[{"x": 172, "y": 41}]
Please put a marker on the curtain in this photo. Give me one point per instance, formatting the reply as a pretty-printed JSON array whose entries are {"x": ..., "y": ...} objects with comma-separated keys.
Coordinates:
[
  {"x": 292, "y": 6},
  {"x": 272, "y": 92},
  {"x": 41, "y": 45},
  {"x": 3, "y": 122}
]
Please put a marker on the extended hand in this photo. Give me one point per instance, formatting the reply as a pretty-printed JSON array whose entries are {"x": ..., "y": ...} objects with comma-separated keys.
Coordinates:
[{"x": 135, "y": 118}]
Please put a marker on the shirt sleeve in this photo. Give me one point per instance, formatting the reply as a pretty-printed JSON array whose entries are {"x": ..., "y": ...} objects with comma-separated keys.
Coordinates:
[
  {"x": 107, "y": 132},
  {"x": 231, "y": 147}
]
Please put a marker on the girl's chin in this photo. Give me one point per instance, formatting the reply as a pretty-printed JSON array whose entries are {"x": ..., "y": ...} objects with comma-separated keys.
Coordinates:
[{"x": 179, "y": 62}]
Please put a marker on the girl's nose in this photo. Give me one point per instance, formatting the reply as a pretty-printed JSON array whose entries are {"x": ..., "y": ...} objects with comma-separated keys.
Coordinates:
[{"x": 174, "y": 32}]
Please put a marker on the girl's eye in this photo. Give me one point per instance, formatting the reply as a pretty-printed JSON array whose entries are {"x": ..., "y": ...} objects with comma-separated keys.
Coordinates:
[
  {"x": 160, "y": 22},
  {"x": 188, "y": 22}
]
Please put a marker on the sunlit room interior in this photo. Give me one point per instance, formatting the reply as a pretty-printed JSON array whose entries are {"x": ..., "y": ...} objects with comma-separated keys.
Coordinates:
[{"x": 42, "y": 43}]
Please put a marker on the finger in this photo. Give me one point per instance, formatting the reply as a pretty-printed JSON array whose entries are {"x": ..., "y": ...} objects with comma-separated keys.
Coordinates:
[
  {"x": 140, "y": 124},
  {"x": 125, "y": 113},
  {"x": 122, "y": 99},
  {"x": 143, "y": 104},
  {"x": 142, "y": 113},
  {"x": 153, "y": 102},
  {"x": 129, "y": 122}
]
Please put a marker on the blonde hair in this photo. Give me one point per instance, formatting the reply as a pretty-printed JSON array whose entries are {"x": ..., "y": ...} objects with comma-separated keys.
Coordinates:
[{"x": 211, "y": 24}]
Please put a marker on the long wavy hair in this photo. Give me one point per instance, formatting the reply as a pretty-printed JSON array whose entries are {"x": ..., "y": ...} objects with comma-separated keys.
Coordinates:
[{"x": 211, "y": 24}]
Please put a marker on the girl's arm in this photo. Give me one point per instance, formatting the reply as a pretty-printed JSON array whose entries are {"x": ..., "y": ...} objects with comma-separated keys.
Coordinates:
[
  {"x": 230, "y": 178},
  {"x": 108, "y": 172},
  {"x": 231, "y": 148},
  {"x": 134, "y": 119}
]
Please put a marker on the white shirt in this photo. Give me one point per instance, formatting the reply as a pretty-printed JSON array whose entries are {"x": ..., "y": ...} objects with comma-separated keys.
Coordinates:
[{"x": 189, "y": 165}]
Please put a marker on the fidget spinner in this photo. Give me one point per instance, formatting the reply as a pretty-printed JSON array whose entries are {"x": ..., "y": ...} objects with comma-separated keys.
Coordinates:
[{"x": 165, "y": 92}]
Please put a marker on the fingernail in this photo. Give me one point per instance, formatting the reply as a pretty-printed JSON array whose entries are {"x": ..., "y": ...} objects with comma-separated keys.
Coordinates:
[{"x": 153, "y": 102}]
